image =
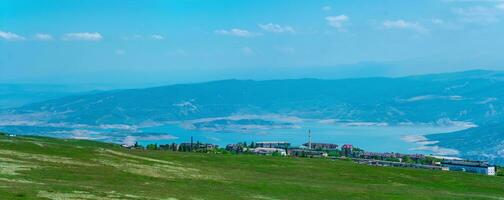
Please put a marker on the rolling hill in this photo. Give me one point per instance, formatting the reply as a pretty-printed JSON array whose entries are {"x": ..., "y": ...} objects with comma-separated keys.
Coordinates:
[
  {"x": 46, "y": 168},
  {"x": 471, "y": 96}
]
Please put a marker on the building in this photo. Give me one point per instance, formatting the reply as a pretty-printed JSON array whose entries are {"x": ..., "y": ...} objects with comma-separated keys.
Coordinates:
[
  {"x": 196, "y": 146},
  {"x": 238, "y": 148},
  {"x": 307, "y": 153},
  {"x": 384, "y": 163},
  {"x": 347, "y": 150},
  {"x": 269, "y": 151},
  {"x": 478, "y": 167},
  {"x": 274, "y": 144},
  {"x": 381, "y": 156},
  {"x": 206, "y": 146},
  {"x": 129, "y": 146},
  {"x": 173, "y": 147},
  {"x": 322, "y": 146}
]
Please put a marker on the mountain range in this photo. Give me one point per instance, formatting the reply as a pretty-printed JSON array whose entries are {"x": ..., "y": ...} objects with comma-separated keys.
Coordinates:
[{"x": 471, "y": 96}]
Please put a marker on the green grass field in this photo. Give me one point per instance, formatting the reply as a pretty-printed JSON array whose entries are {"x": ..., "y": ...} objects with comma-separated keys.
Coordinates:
[{"x": 46, "y": 168}]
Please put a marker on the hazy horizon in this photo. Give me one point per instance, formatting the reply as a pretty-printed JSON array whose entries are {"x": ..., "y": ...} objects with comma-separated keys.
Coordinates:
[{"x": 80, "y": 87}]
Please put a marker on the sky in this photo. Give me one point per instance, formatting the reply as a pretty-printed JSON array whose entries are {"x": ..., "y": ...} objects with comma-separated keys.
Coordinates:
[{"x": 141, "y": 43}]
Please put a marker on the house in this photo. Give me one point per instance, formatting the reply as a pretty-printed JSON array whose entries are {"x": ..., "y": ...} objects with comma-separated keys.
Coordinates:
[
  {"x": 347, "y": 150},
  {"x": 381, "y": 156},
  {"x": 186, "y": 146},
  {"x": 206, "y": 146},
  {"x": 478, "y": 167},
  {"x": 173, "y": 147},
  {"x": 132, "y": 146},
  {"x": 322, "y": 146},
  {"x": 307, "y": 153},
  {"x": 274, "y": 144},
  {"x": 238, "y": 148},
  {"x": 269, "y": 151}
]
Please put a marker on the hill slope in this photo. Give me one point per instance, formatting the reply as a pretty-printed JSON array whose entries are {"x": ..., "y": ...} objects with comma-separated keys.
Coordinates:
[
  {"x": 45, "y": 168},
  {"x": 476, "y": 96},
  {"x": 471, "y": 96}
]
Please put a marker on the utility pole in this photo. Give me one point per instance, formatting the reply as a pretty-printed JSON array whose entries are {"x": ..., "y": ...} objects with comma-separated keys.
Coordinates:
[{"x": 309, "y": 139}]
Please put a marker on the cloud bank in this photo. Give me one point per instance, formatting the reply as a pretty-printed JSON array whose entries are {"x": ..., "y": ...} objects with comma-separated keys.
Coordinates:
[{"x": 83, "y": 36}]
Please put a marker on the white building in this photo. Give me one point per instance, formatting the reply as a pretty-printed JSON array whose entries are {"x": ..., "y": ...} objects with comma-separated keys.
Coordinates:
[
  {"x": 478, "y": 167},
  {"x": 273, "y": 144},
  {"x": 269, "y": 151}
]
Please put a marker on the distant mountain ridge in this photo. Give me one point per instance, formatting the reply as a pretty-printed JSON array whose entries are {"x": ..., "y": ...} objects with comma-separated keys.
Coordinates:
[
  {"x": 467, "y": 96},
  {"x": 474, "y": 96}
]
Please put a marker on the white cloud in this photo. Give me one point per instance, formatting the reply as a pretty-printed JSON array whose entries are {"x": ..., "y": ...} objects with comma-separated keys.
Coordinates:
[
  {"x": 326, "y": 8},
  {"x": 88, "y": 36},
  {"x": 132, "y": 37},
  {"x": 10, "y": 36},
  {"x": 433, "y": 97},
  {"x": 478, "y": 14},
  {"x": 402, "y": 24},
  {"x": 276, "y": 28},
  {"x": 236, "y": 32},
  {"x": 159, "y": 137},
  {"x": 143, "y": 37},
  {"x": 157, "y": 37},
  {"x": 43, "y": 36},
  {"x": 337, "y": 22},
  {"x": 129, "y": 140}
]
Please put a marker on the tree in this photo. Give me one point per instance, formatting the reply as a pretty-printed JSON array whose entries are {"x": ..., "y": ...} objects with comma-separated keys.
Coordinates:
[
  {"x": 138, "y": 146},
  {"x": 152, "y": 147},
  {"x": 500, "y": 171},
  {"x": 407, "y": 159}
]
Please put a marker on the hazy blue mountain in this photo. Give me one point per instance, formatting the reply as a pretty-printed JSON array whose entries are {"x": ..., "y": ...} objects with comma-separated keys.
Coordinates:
[
  {"x": 468, "y": 96},
  {"x": 485, "y": 142},
  {"x": 16, "y": 95},
  {"x": 472, "y": 96}
]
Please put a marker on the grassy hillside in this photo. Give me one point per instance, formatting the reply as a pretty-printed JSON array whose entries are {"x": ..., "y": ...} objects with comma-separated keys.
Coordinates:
[{"x": 45, "y": 168}]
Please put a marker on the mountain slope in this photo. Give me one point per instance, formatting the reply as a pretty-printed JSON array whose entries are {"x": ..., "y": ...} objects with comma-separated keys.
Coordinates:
[
  {"x": 480, "y": 143},
  {"x": 45, "y": 168},
  {"x": 471, "y": 96}
]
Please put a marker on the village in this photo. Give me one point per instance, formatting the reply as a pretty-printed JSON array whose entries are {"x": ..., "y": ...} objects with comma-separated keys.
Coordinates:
[{"x": 331, "y": 151}]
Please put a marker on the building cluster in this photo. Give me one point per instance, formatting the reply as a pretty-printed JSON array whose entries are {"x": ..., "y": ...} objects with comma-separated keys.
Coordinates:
[
  {"x": 285, "y": 149},
  {"x": 184, "y": 147},
  {"x": 189, "y": 147},
  {"x": 391, "y": 156},
  {"x": 334, "y": 151}
]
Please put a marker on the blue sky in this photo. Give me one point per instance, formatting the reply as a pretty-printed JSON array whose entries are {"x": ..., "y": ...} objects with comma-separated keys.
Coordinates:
[{"x": 162, "y": 42}]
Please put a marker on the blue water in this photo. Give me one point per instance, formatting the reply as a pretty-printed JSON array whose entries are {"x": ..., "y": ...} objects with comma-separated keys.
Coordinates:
[{"x": 370, "y": 138}]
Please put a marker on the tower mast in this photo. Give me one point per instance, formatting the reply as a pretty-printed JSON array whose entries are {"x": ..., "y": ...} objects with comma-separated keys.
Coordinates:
[{"x": 309, "y": 139}]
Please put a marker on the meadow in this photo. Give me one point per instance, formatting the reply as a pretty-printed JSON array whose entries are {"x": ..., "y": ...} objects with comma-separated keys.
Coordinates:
[{"x": 46, "y": 168}]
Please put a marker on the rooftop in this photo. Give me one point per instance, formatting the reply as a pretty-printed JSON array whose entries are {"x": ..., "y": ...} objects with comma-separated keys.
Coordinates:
[
  {"x": 273, "y": 142},
  {"x": 466, "y": 163}
]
